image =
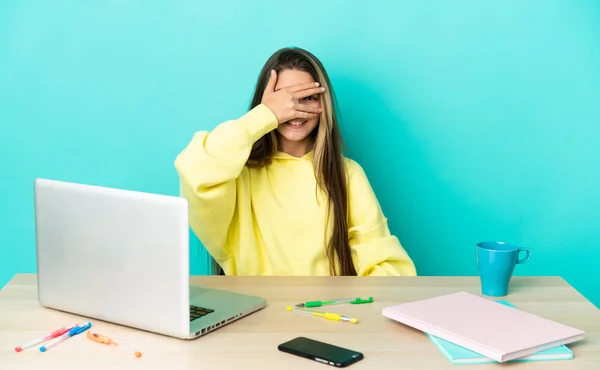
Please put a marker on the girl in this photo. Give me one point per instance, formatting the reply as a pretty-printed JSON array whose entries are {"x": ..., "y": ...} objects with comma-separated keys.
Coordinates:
[{"x": 270, "y": 193}]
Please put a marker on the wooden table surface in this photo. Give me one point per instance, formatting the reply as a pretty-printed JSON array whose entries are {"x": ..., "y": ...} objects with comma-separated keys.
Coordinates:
[{"x": 251, "y": 343}]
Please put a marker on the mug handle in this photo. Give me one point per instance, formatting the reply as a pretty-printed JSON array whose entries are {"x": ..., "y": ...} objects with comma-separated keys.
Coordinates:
[{"x": 527, "y": 255}]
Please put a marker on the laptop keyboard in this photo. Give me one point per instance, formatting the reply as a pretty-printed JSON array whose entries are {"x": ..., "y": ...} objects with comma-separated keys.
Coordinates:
[{"x": 197, "y": 312}]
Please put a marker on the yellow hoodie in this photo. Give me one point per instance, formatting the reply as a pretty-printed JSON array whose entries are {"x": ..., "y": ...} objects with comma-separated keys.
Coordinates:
[{"x": 268, "y": 221}]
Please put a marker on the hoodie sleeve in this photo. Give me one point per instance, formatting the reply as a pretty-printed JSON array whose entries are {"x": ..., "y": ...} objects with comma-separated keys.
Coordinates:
[
  {"x": 209, "y": 167},
  {"x": 374, "y": 249}
]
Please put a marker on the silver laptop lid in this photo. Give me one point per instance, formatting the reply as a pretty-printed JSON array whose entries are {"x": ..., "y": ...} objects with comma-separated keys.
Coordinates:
[{"x": 116, "y": 255}]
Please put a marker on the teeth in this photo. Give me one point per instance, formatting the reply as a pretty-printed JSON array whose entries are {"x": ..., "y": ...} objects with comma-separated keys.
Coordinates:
[{"x": 296, "y": 123}]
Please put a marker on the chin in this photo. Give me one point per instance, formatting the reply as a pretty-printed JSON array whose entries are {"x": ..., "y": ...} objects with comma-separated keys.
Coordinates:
[{"x": 294, "y": 136}]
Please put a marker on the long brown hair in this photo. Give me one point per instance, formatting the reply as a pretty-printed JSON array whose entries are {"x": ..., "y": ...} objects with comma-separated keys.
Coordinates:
[{"x": 328, "y": 144}]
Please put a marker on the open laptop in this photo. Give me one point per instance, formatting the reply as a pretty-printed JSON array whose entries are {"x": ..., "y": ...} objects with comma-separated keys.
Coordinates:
[{"x": 122, "y": 256}]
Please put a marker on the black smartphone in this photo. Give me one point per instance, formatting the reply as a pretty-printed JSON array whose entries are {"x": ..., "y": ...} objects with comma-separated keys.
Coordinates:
[{"x": 321, "y": 352}]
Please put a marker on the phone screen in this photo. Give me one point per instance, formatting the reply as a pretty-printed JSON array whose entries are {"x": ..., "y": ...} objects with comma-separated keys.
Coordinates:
[{"x": 321, "y": 352}]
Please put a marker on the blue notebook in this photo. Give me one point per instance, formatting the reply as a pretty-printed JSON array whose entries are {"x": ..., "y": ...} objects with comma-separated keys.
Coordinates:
[{"x": 460, "y": 355}]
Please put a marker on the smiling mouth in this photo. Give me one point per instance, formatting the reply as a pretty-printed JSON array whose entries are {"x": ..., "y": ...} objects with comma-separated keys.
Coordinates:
[{"x": 295, "y": 123}]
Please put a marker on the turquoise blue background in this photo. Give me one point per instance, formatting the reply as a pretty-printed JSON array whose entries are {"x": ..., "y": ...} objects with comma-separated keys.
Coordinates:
[{"x": 475, "y": 120}]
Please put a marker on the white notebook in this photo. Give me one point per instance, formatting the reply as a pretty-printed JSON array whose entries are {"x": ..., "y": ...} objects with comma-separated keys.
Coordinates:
[{"x": 493, "y": 330}]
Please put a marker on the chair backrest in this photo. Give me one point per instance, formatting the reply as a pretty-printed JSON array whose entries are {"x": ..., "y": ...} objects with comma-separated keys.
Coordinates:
[{"x": 216, "y": 268}]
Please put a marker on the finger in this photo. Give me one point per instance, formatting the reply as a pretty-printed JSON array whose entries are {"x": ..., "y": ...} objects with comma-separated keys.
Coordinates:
[
  {"x": 304, "y": 86},
  {"x": 308, "y": 92},
  {"x": 309, "y": 108},
  {"x": 272, "y": 81},
  {"x": 304, "y": 115}
]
